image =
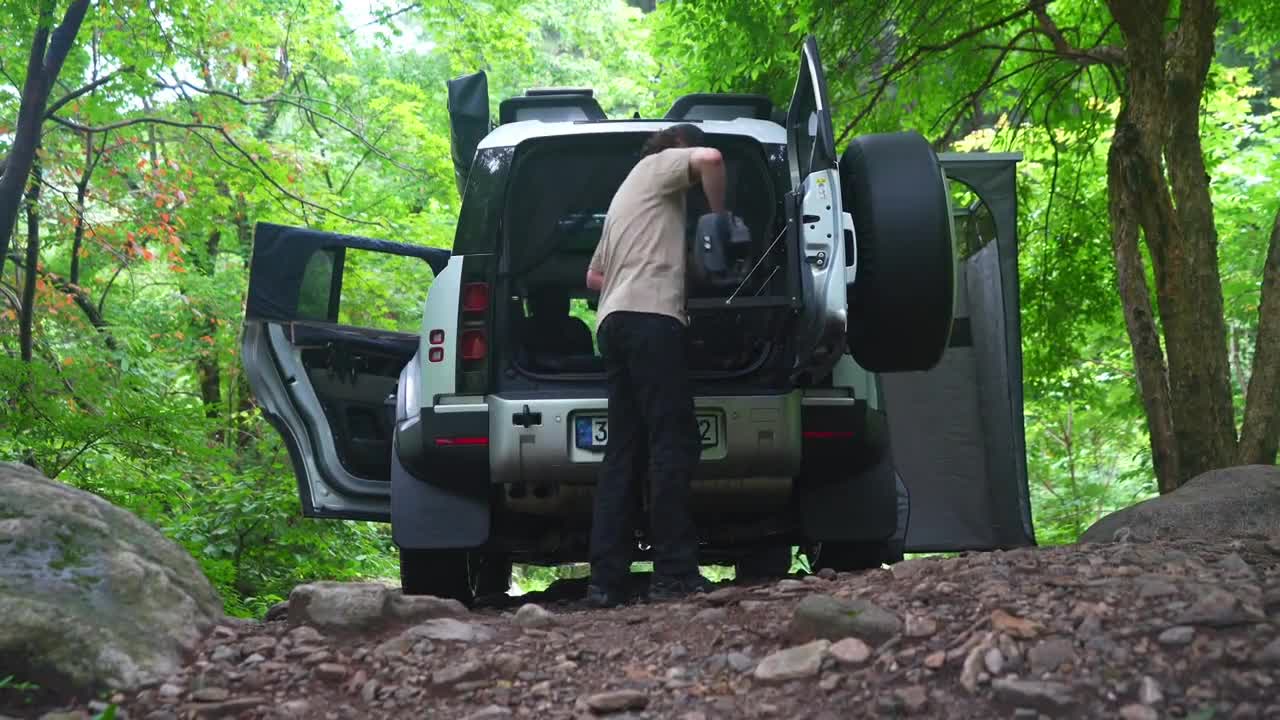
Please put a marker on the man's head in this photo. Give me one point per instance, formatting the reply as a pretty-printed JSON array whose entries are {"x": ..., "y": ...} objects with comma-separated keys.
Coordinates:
[{"x": 682, "y": 135}]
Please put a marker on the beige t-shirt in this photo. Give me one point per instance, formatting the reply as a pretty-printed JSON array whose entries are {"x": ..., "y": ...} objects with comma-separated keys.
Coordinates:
[{"x": 642, "y": 246}]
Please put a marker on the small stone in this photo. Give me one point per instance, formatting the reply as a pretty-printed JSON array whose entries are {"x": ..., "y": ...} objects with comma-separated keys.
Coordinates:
[
  {"x": 829, "y": 574},
  {"x": 850, "y": 651},
  {"x": 993, "y": 660},
  {"x": 793, "y": 663},
  {"x": 1044, "y": 695},
  {"x": 263, "y": 645},
  {"x": 452, "y": 629},
  {"x": 1134, "y": 711},
  {"x": 304, "y": 635},
  {"x": 724, "y": 596},
  {"x": 913, "y": 698},
  {"x": 831, "y": 618},
  {"x": 1219, "y": 608},
  {"x": 1234, "y": 564},
  {"x": 229, "y": 708},
  {"x": 972, "y": 667},
  {"x": 210, "y": 694},
  {"x": 296, "y": 709},
  {"x": 331, "y": 672},
  {"x": 531, "y": 615},
  {"x": 315, "y": 658},
  {"x": 457, "y": 673},
  {"x": 1149, "y": 691},
  {"x": 830, "y": 681},
  {"x": 1177, "y": 635},
  {"x": 711, "y": 615},
  {"x": 935, "y": 660},
  {"x": 1154, "y": 587},
  {"x": 918, "y": 626},
  {"x": 1050, "y": 654},
  {"x": 1269, "y": 655},
  {"x": 169, "y": 690},
  {"x": 1015, "y": 626},
  {"x": 369, "y": 692},
  {"x": 694, "y": 715},
  {"x": 507, "y": 664},
  {"x": 491, "y": 712},
  {"x": 223, "y": 653},
  {"x": 786, "y": 586},
  {"x": 1090, "y": 626},
  {"x": 740, "y": 662},
  {"x": 617, "y": 701}
]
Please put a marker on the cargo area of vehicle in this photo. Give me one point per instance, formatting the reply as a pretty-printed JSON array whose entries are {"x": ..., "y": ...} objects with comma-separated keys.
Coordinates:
[{"x": 557, "y": 198}]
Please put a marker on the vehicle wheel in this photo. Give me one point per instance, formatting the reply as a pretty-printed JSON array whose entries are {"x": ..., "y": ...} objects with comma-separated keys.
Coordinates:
[
  {"x": 491, "y": 574},
  {"x": 442, "y": 573},
  {"x": 765, "y": 563},
  {"x": 902, "y": 300},
  {"x": 854, "y": 556}
]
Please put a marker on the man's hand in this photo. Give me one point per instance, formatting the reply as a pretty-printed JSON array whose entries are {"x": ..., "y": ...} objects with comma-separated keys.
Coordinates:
[
  {"x": 707, "y": 165},
  {"x": 595, "y": 280}
]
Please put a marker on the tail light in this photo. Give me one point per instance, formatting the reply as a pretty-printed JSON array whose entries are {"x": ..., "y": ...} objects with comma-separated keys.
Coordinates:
[
  {"x": 828, "y": 434},
  {"x": 475, "y": 297},
  {"x": 474, "y": 345}
]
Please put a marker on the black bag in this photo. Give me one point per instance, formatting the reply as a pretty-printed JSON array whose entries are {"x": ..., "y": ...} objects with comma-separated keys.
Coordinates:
[{"x": 720, "y": 252}]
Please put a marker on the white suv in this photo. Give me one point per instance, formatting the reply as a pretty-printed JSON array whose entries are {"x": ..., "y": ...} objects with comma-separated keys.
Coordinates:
[{"x": 480, "y": 438}]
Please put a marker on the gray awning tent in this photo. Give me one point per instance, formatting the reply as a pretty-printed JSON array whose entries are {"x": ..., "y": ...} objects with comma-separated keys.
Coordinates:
[{"x": 957, "y": 430}]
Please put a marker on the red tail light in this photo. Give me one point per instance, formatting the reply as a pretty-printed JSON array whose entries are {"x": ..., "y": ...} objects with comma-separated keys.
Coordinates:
[
  {"x": 475, "y": 346},
  {"x": 436, "y": 354},
  {"x": 475, "y": 297},
  {"x": 456, "y": 441},
  {"x": 436, "y": 337},
  {"x": 828, "y": 434}
]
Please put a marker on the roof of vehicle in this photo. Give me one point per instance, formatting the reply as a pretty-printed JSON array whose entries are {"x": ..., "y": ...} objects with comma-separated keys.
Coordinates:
[{"x": 512, "y": 134}]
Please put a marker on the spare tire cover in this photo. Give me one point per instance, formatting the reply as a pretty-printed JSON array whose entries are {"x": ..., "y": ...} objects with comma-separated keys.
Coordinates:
[{"x": 903, "y": 295}]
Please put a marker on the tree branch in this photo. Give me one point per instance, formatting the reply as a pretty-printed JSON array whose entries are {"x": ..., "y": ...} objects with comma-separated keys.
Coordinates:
[
  {"x": 193, "y": 127},
  {"x": 1050, "y": 29},
  {"x": 58, "y": 104}
]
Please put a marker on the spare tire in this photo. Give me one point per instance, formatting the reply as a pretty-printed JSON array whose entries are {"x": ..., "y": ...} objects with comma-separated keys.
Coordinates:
[{"x": 902, "y": 298}]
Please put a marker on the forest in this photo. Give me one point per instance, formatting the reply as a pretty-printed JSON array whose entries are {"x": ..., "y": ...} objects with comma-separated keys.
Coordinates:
[{"x": 143, "y": 139}]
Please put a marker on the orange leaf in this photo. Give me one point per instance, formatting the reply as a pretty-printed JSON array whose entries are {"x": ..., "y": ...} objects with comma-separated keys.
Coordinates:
[
  {"x": 207, "y": 339},
  {"x": 67, "y": 362},
  {"x": 146, "y": 253},
  {"x": 164, "y": 217},
  {"x": 159, "y": 202},
  {"x": 178, "y": 334}
]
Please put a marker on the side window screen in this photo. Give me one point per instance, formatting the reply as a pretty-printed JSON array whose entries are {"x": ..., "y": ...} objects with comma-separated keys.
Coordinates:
[
  {"x": 316, "y": 296},
  {"x": 383, "y": 291},
  {"x": 975, "y": 225}
]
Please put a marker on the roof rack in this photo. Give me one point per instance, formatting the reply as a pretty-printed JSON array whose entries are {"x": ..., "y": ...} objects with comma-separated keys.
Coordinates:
[
  {"x": 551, "y": 105},
  {"x": 720, "y": 106}
]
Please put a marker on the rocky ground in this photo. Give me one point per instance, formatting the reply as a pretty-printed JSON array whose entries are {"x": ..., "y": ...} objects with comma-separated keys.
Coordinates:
[{"x": 1127, "y": 630}]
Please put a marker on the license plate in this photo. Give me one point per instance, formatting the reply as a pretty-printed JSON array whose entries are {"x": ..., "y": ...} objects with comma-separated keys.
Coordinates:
[{"x": 591, "y": 432}]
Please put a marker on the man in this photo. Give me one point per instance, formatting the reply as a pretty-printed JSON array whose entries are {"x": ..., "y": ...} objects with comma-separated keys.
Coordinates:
[{"x": 639, "y": 269}]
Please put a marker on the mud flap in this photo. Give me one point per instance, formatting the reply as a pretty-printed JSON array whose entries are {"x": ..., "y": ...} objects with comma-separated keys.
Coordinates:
[
  {"x": 866, "y": 506},
  {"x": 425, "y": 516}
]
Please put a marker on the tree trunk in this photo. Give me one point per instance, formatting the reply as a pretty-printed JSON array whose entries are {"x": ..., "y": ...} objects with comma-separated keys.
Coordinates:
[
  {"x": 1260, "y": 434},
  {"x": 27, "y": 319},
  {"x": 1135, "y": 296},
  {"x": 207, "y": 368},
  {"x": 48, "y": 51}
]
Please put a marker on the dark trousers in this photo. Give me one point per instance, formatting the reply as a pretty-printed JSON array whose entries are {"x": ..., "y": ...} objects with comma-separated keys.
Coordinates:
[{"x": 652, "y": 435}]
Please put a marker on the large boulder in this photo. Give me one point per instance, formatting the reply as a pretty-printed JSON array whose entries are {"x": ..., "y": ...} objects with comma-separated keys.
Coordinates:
[
  {"x": 1228, "y": 503},
  {"x": 92, "y": 598}
]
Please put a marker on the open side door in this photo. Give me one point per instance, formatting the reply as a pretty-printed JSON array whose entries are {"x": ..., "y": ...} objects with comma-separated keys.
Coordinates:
[
  {"x": 468, "y": 106},
  {"x": 816, "y": 222},
  {"x": 330, "y": 322},
  {"x": 957, "y": 430}
]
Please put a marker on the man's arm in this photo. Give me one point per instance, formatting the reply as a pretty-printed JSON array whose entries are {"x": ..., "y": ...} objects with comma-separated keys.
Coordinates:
[
  {"x": 595, "y": 279},
  {"x": 707, "y": 165}
]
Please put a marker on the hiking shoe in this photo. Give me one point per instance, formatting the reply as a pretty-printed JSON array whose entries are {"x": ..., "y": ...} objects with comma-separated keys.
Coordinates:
[
  {"x": 601, "y": 598},
  {"x": 665, "y": 589}
]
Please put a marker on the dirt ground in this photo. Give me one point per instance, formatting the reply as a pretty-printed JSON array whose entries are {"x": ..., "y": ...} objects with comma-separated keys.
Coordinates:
[{"x": 1129, "y": 631}]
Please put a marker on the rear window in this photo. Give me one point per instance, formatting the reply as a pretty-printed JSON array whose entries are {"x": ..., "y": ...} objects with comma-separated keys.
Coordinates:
[{"x": 561, "y": 188}]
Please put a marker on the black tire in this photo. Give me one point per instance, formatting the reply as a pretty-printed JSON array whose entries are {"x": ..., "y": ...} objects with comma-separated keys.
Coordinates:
[
  {"x": 491, "y": 574},
  {"x": 442, "y": 573},
  {"x": 764, "y": 563},
  {"x": 854, "y": 556},
  {"x": 902, "y": 301}
]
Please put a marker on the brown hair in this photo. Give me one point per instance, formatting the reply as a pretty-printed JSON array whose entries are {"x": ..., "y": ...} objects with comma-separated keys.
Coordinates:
[{"x": 682, "y": 135}]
